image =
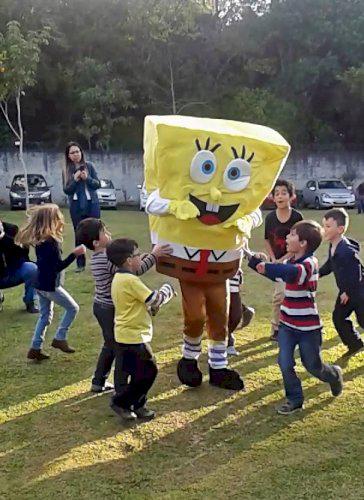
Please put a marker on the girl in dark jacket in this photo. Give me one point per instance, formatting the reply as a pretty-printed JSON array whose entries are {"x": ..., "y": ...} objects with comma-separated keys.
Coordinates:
[{"x": 80, "y": 183}]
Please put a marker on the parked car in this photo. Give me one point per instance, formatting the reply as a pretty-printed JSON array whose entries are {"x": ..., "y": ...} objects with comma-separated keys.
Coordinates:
[
  {"x": 143, "y": 196},
  {"x": 327, "y": 193},
  {"x": 39, "y": 191},
  {"x": 107, "y": 194}
]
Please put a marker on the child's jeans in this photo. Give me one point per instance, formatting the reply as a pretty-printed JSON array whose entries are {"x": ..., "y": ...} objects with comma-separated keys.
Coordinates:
[
  {"x": 309, "y": 344},
  {"x": 136, "y": 362},
  {"x": 46, "y": 303}
]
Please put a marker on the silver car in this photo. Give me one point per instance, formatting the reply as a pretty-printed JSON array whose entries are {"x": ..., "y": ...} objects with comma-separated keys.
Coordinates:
[
  {"x": 107, "y": 194},
  {"x": 327, "y": 193}
]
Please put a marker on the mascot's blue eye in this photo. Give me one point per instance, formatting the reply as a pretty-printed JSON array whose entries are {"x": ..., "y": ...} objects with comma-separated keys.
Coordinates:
[
  {"x": 234, "y": 173},
  {"x": 208, "y": 167},
  {"x": 203, "y": 166}
]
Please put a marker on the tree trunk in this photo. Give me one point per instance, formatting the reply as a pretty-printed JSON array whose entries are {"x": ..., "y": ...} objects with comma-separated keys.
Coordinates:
[
  {"x": 21, "y": 143},
  {"x": 171, "y": 81}
]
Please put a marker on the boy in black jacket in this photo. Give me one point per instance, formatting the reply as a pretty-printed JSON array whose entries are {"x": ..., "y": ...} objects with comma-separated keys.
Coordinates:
[
  {"x": 15, "y": 267},
  {"x": 344, "y": 262}
]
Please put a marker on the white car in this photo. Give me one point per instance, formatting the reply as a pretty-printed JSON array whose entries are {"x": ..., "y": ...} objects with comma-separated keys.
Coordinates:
[
  {"x": 107, "y": 194},
  {"x": 327, "y": 193},
  {"x": 143, "y": 196}
]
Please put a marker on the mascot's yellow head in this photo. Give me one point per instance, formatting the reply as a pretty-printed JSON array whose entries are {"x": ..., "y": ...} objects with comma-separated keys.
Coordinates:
[{"x": 224, "y": 168}]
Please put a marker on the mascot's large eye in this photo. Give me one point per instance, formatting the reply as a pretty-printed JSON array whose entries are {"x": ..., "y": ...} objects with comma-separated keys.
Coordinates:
[
  {"x": 237, "y": 175},
  {"x": 203, "y": 167}
]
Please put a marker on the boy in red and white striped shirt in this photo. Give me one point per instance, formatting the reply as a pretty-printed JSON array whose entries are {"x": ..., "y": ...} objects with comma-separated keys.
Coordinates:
[{"x": 300, "y": 323}]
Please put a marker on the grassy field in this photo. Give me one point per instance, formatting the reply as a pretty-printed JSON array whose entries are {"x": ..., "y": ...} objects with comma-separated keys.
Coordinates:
[{"x": 59, "y": 440}]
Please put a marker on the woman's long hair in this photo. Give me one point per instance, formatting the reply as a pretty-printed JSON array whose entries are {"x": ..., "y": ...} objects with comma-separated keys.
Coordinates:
[
  {"x": 69, "y": 168},
  {"x": 44, "y": 222}
]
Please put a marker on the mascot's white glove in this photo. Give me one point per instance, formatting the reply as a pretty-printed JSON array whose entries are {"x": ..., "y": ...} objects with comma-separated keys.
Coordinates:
[
  {"x": 246, "y": 223},
  {"x": 183, "y": 210}
]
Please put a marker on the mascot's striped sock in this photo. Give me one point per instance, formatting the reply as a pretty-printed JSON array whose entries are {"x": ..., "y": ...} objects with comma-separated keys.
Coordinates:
[
  {"x": 191, "y": 348},
  {"x": 217, "y": 354}
]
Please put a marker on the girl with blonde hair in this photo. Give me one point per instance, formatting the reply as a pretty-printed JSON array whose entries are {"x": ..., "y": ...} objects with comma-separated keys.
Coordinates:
[{"x": 44, "y": 231}]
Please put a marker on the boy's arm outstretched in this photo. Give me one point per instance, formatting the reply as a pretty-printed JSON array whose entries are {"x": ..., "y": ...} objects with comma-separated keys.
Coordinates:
[
  {"x": 289, "y": 273},
  {"x": 160, "y": 297}
]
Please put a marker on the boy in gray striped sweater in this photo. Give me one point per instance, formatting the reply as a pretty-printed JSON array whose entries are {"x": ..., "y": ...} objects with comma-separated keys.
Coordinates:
[{"x": 94, "y": 235}]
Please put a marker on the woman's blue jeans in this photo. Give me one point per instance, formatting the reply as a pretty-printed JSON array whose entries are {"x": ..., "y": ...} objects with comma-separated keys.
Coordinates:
[
  {"x": 26, "y": 273},
  {"x": 46, "y": 304}
]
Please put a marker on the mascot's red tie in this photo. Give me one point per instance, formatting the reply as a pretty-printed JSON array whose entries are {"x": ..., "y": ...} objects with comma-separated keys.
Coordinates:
[{"x": 202, "y": 265}]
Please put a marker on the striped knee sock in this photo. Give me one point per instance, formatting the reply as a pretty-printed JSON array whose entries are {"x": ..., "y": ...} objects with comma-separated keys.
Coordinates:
[
  {"x": 191, "y": 348},
  {"x": 217, "y": 354}
]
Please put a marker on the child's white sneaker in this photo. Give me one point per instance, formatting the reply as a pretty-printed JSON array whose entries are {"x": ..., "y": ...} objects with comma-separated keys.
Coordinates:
[{"x": 231, "y": 351}]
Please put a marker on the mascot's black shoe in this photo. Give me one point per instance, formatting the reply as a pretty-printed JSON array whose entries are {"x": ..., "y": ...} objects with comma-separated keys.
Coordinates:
[
  {"x": 226, "y": 379},
  {"x": 189, "y": 373}
]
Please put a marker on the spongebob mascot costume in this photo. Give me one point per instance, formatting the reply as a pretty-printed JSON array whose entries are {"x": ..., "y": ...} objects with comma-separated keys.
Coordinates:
[{"x": 206, "y": 179}]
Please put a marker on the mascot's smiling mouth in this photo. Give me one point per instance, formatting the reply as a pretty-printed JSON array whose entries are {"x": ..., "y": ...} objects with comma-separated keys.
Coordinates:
[{"x": 210, "y": 213}]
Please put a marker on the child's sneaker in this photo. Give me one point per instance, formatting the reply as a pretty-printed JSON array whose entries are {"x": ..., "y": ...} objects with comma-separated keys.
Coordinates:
[
  {"x": 353, "y": 350},
  {"x": 231, "y": 351},
  {"x": 102, "y": 388},
  {"x": 338, "y": 386},
  {"x": 145, "y": 413},
  {"x": 124, "y": 413},
  {"x": 248, "y": 315},
  {"x": 287, "y": 408}
]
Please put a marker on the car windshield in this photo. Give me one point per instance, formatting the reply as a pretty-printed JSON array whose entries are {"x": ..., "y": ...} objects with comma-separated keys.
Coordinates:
[
  {"x": 331, "y": 185},
  {"x": 34, "y": 181},
  {"x": 106, "y": 184}
]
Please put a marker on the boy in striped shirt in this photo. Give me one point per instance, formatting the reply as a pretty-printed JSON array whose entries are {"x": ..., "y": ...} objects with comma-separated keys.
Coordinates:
[
  {"x": 94, "y": 235},
  {"x": 300, "y": 323}
]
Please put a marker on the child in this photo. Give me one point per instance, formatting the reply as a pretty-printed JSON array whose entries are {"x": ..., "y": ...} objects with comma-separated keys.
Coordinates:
[
  {"x": 135, "y": 366},
  {"x": 93, "y": 233},
  {"x": 344, "y": 262},
  {"x": 277, "y": 225},
  {"x": 300, "y": 323},
  {"x": 44, "y": 231},
  {"x": 238, "y": 312}
]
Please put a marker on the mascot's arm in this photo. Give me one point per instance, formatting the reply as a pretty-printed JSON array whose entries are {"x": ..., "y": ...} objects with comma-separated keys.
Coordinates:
[
  {"x": 181, "y": 209},
  {"x": 247, "y": 222}
]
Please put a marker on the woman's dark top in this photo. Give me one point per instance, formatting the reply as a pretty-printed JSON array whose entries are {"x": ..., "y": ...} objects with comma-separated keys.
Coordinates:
[
  {"x": 78, "y": 188},
  {"x": 12, "y": 256},
  {"x": 50, "y": 264}
]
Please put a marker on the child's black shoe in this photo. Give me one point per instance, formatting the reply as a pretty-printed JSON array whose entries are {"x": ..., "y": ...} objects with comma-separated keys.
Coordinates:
[
  {"x": 145, "y": 413},
  {"x": 337, "y": 386},
  {"x": 37, "y": 355},
  {"x": 124, "y": 413}
]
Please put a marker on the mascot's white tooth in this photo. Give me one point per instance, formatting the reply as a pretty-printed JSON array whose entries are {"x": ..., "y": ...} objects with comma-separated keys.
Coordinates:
[
  {"x": 215, "y": 208},
  {"x": 209, "y": 207}
]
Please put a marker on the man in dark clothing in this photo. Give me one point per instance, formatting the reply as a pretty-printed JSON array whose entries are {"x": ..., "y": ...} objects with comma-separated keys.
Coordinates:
[
  {"x": 15, "y": 267},
  {"x": 344, "y": 262}
]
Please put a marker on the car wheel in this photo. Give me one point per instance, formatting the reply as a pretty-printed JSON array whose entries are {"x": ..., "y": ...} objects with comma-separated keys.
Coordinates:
[{"x": 317, "y": 204}]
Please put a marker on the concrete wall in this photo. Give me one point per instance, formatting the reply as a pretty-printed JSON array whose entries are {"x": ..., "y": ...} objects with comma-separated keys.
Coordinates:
[{"x": 126, "y": 169}]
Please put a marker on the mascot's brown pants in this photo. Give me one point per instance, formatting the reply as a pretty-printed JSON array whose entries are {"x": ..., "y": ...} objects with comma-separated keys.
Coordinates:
[{"x": 205, "y": 303}]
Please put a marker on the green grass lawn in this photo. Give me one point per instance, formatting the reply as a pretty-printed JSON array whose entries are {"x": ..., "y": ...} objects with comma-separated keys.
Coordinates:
[{"x": 59, "y": 440}]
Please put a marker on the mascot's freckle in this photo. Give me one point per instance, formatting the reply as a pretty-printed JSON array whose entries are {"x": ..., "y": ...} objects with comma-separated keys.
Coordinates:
[{"x": 206, "y": 179}]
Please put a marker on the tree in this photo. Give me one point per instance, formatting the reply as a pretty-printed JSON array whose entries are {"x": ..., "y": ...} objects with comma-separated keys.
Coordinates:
[{"x": 19, "y": 58}]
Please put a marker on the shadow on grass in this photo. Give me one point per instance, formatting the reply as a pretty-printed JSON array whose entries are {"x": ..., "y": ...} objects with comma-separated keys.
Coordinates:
[{"x": 170, "y": 461}]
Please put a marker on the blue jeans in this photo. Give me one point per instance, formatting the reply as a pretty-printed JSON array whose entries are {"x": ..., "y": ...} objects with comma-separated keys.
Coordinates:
[
  {"x": 93, "y": 210},
  {"x": 360, "y": 205},
  {"x": 46, "y": 303},
  {"x": 309, "y": 344},
  {"x": 27, "y": 274}
]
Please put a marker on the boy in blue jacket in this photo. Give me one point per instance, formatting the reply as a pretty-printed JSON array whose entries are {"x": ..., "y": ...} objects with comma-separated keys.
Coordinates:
[{"x": 344, "y": 262}]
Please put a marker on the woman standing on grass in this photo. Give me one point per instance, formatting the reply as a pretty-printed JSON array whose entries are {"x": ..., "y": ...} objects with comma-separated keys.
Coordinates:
[{"x": 80, "y": 183}]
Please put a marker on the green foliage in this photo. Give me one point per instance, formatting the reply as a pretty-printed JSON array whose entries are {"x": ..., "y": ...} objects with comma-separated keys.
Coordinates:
[{"x": 296, "y": 64}]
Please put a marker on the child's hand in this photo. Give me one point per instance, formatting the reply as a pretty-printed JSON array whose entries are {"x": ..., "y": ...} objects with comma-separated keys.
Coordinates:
[
  {"x": 260, "y": 268},
  {"x": 262, "y": 256},
  {"x": 80, "y": 250},
  {"x": 344, "y": 298},
  {"x": 162, "y": 250}
]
